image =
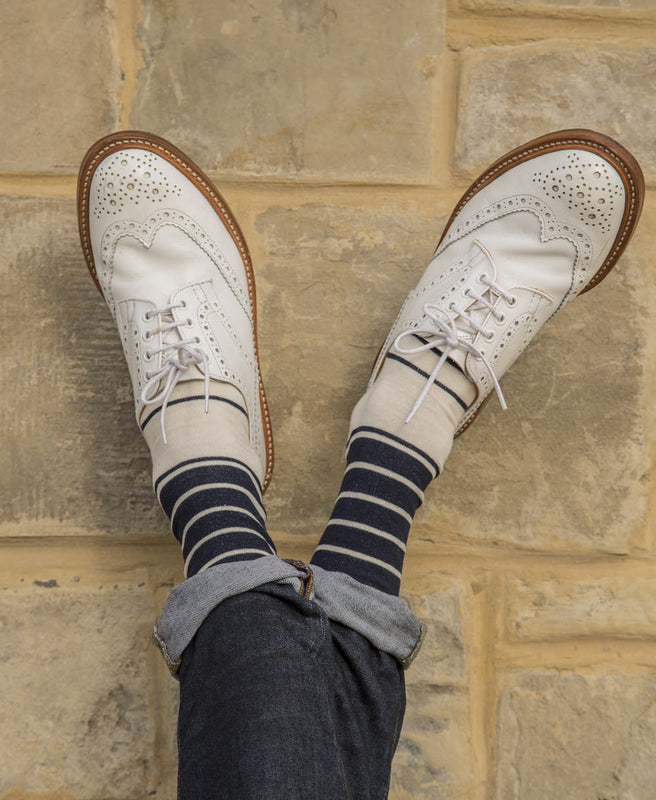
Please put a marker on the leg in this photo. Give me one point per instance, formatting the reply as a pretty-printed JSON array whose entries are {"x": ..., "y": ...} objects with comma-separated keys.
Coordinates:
[
  {"x": 172, "y": 264},
  {"x": 257, "y": 677},
  {"x": 542, "y": 225},
  {"x": 302, "y": 703},
  {"x": 517, "y": 248}
]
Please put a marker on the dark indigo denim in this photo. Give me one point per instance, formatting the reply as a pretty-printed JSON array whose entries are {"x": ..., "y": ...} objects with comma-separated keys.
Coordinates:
[{"x": 277, "y": 702}]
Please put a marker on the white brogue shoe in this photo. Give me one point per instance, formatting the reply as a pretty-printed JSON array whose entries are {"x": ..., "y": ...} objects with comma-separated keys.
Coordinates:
[
  {"x": 170, "y": 260},
  {"x": 541, "y": 225}
]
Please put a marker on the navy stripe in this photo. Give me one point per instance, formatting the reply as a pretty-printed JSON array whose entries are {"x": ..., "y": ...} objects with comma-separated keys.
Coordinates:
[
  {"x": 437, "y": 383},
  {"x": 223, "y": 544},
  {"x": 369, "y": 482},
  {"x": 206, "y": 461},
  {"x": 398, "y": 440},
  {"x": 389, "y": 457},
  {"x": 195, "y": 477},
  {"x": 187, "y": 399},
  {"x": 228, "y": 559},
  {"x": 363, "y": 571},
  {"x": 375, "y": 547},
  {"x": 369, "y": 513},
  {"x": 218, "y": 518}
]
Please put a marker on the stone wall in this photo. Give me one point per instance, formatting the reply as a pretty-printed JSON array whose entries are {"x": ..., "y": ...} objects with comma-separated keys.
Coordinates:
[{"x": 341, "y": 133}]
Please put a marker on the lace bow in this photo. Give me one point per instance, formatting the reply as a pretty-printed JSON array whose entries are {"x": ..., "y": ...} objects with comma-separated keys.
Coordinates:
[{"x": 449, "y": 332}]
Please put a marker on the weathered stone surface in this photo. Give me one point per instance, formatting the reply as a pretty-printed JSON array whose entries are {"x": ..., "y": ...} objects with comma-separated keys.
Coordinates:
[
  {"x": 577, "y": 736},
  {"x": 72, "y": 453},
  {"x": 293, "y": 87},
  {"x": 329, "y": 287},
  {"x": 58, "y": 82},
  {"x": 564, "y": 467},
  {"x": 555, "y": 4},
  {"x": 510, "y": 95},
  {"x": 434, "y": 757},
  {"x": 441, "y": 659},
  {"x": 559, "y": 607},
  {"x": 74, "y": 696},
  {"x": 326, "y": 92}
]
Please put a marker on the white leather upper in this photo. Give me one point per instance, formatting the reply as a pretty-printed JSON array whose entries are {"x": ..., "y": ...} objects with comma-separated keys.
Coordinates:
[
  {"x": 158, "y": 241},
  {"x": 541, "y": 230}
]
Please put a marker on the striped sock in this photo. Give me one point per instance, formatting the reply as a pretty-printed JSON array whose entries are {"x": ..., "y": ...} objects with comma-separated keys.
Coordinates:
[
  {"x": 383, "y": 487},
  {"x": 207, "y": 476},
  {"x": 216, "y": 512}
]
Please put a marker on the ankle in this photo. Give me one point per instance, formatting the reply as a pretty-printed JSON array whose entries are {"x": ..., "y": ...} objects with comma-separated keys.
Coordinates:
[
  {"x": 199, "y": 428},
  {"x": 388, "y": 403}
]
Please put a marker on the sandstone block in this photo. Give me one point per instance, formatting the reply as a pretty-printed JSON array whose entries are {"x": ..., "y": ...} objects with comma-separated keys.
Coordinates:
[
  {"x": 75, "y": 716},
  {"x": 556, "y": 4},
  {"x": 434, "y": 759},
  {"x": 510, "y": 95},
  {"x": 293, "y": 88},
  {"x": 58, "y": 82},
  {"x": 442, "y": 657},
  {"x": 556, "y": 608},
  {"x": 73, "y": 457},
  {"x": 577, "y": 736}
]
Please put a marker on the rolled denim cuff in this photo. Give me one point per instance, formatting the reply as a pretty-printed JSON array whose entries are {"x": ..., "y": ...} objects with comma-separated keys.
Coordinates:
[
  {"x": 383, "y": 619},
  {"x": 190, "y": 602}
]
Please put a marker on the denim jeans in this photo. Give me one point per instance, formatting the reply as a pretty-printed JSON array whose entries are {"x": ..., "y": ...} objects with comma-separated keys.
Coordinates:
[
  {"x": 278, "y": 702},
  {"x": 291, "y": 682}
]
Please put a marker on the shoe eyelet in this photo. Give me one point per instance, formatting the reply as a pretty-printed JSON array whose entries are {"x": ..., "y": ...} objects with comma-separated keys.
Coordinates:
[
  {"x": 189, "y": 323},
  {"x": 197, "y": 339},
  {"x": 500, "y": 319},
  {"x": 147, "y": 316},
  {"x": 512, "y": 301},
  {"x": 147, "y": 335},
  {"x": 483, "y": 279},
  {"x": 183, "y": 303},
  {"x": 489, "y": 336},
  {"x": 148, "y": 356},
  {"x": 147, "y": 375}
]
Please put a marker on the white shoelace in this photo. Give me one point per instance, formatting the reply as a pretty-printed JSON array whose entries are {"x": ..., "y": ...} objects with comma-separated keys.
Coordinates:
[
  {"x": 449, "y": 334},
  {"x": 177, "y": 358}
]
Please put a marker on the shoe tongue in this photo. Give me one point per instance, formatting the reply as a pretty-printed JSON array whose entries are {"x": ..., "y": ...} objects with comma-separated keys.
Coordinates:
[
  {"x": 477, "y": 312},
  {"x": 482, "y": 264},
  {"x": 172, "y": 336}
]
